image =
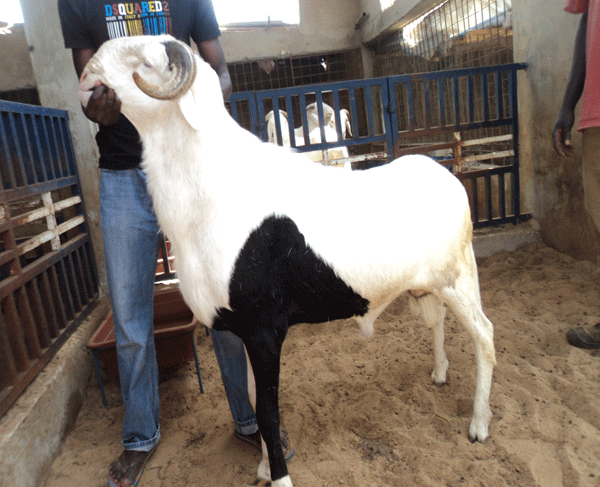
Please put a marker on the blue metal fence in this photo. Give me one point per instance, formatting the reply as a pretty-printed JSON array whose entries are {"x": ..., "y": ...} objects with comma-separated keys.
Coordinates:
[
  {"x": 48, "y": 278},
  {"x": 471, "y": 115}
]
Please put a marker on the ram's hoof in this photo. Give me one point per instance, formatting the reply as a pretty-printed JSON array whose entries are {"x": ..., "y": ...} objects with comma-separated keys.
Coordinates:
[
  {"x": 478, "y": 433},
  {"x": 262, "y": 482}
]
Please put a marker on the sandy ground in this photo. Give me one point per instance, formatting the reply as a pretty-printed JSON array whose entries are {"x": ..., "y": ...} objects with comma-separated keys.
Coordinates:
[{"x": 363, "y": 412}]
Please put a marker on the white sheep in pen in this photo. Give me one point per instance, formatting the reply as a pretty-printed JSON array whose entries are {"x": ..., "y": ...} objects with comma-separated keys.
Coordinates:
[
  {"x": 329, "y": 156},
  {"x": 312, "y": 114},
  {"x": 256, "y": 255}
]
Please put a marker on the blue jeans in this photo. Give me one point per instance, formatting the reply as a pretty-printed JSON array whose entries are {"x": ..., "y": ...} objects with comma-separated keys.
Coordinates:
[{"x": 131, "y": 237}]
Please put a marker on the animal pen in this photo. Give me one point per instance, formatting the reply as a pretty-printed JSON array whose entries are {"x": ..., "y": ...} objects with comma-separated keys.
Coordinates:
[
  {"x": 48, "y": 279},
  {"x": 445, "y": 114}
]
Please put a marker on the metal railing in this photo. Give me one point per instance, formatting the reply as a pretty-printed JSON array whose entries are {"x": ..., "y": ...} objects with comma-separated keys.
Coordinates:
[
  {"x": 467, "y": 119},
  {"x": 48, "y": 277}
]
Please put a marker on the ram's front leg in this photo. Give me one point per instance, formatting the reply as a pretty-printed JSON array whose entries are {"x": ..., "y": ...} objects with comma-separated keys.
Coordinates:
[{"x": 264, "y": 352}]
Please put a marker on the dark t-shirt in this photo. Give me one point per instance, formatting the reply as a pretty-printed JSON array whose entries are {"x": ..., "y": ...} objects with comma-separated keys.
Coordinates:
[{"x": 86, "y": 24}]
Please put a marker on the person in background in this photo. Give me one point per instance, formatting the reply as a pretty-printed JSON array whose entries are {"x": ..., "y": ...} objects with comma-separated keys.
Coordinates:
[
  {"x": 129, "y": 227},
  {"x": 584, "y": 84}
]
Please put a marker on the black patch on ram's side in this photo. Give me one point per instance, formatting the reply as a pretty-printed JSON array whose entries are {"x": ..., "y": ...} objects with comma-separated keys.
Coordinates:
[{"x": 277, "y": 272}]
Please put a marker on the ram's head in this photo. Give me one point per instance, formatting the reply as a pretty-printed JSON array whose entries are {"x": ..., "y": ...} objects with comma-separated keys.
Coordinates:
[{"x": 161, "y": 67}]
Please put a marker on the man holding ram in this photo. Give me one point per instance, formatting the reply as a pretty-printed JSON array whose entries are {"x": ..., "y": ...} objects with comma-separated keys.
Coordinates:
[{"x": 129, "y": 226}]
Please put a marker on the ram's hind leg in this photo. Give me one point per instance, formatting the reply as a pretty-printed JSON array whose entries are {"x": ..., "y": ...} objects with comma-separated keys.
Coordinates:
[
  {"x": 433, "y": 312},
  {"x": 465, "y": 301}
]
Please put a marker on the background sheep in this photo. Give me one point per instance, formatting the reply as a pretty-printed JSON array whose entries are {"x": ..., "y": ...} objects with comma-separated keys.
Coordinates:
[
  {"x": 255, "y": 256},
  {"x": 331, "y": 135},
  {"x": 312, "y": 113}
]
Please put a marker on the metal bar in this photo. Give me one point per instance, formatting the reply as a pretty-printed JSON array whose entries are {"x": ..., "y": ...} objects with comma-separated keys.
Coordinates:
[
  {"x": 66, "y": 147},
  {"x": 37, "y": 309},
  {"x": 52, "y": 169},
  {"x": 485, "y": 97},
  {"x": 321, "y": 116},
  {"x": 15, "y": 334},
  {"x": 27, "y": 140},
  {"x": 62, "y": 170},
  {"x": 81, "y": 278},
  {"x": 353, "y": 110},
  {"x": 192, "y": 338},
  {"x": 502, "y": 195},
  {"x": 488, "y": 196},
  {"x": 411, "y": 105},
  {"x": 86, "y": 274},
  {"x": 456, "y": 101},
  {"x": 9, "y": 367},
  {"x": 499, "y": 100},
  {"x": 63, "y": 307},
  {"x": 390, "y": 111},
  {"x": 289, "y": 107},
  {"x": 24, "y": 379},
  {"x": 303, "y": 116},
  {"x": 48, "y": 304},
  {"x": 74, "y": 282},
  {"x": 6, "y": 131},
  {"x": 369, "y": 106},
  {"x": 427, "y": 114},
  {"x": 19, "y": 153},
  {"x": 35, "y": 189},
  {"x": 336, "y": 108},
  {"x": 34, "y": 350},
  {"x": 516, "y": 184},
  {"x": 471, "y": 98},
  {"x": 475, "y": 195},
  {"x": 441, "y": 101}
]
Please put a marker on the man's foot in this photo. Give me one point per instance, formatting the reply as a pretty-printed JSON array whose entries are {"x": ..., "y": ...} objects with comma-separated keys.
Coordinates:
[
  {"x": 587, "y": 337},
  {"x": 254, "y": 440},
  {"x": 127, "y": 470}
]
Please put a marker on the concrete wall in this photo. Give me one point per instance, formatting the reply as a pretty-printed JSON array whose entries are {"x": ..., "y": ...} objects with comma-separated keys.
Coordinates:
[
  {"x": 17, "y": 71},
  {"x": 552, "y": 188},
  {"x": 325, "y": 26}
]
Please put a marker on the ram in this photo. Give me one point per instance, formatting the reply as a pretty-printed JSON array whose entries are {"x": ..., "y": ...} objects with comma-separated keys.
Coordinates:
[{"x": 255, "y": 255}]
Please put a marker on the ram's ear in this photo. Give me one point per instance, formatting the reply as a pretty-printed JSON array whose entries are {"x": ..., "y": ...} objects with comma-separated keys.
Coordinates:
[{"x": 190, "y": 108}]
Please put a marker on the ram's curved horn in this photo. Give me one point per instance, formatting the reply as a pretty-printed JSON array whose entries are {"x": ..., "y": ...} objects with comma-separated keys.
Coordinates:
[{"x": 184, "y": 68}]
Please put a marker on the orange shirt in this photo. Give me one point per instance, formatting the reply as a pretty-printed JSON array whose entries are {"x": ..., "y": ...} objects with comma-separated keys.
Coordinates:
[{"x": 590, "y": 99}]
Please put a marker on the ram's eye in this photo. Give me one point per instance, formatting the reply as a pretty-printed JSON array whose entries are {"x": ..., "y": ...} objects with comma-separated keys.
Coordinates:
[{"x": 147, "y": 65}]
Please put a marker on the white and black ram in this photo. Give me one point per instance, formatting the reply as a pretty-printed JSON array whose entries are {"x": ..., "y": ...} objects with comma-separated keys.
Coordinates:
[{"x": 266, "y": 239}]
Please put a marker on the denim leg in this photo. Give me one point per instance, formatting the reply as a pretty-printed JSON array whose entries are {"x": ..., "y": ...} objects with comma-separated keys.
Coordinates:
[
  {"x": 231, "y": 357},
  {"x": 130, "y": 233}
]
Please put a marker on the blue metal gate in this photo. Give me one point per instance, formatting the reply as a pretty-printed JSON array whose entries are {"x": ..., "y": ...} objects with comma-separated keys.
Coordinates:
[
  {"x": 48, "y": 278},
  {"x": 464, "y": 118}
]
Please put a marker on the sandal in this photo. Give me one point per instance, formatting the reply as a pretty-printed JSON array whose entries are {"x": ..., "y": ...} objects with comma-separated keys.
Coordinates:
[
  {"x": 254, "y": 440},
  {"x": 587, "y": 337},
  {"x": 127, "y": 470}
]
